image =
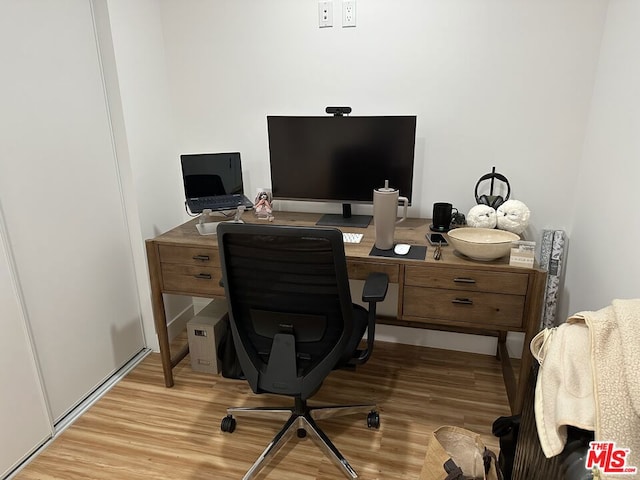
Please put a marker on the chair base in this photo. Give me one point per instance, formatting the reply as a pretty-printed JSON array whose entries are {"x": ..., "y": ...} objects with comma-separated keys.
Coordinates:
[{"x": 300, "y": 419}]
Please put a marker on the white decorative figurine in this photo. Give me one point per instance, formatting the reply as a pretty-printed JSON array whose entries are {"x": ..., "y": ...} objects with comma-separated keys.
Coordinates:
[
  {"x": 513, "y": 216},
  {"x": 482, "y": 216},
  {"x": 262, "y": 205}
]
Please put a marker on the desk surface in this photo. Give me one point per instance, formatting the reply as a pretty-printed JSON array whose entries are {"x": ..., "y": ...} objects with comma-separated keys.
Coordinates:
[
  {"x": 412, "y": 231},
  {"x": 454, "y": 293}
]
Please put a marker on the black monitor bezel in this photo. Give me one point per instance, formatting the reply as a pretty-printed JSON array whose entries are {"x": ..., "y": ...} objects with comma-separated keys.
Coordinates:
[{"x": 336, "y": 199}]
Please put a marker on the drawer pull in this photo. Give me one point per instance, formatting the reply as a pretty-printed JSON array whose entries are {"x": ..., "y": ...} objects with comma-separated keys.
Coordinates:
[
  {"x": 464, "y": 280},
  {"x": 462, "y": 301},
  {"x": 203, "y": 276},
  {"x": 204, "y": 258}
]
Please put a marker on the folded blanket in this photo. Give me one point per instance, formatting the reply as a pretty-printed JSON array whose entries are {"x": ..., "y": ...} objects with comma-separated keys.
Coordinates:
[
  {"x": 589, "y": 377},
  {"x": 564, "y": 388},
  {"x": 615, "y": 354}
]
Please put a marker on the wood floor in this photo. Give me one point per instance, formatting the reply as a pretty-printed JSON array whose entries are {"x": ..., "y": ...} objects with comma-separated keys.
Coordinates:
[{"x": 142, "y": 430}]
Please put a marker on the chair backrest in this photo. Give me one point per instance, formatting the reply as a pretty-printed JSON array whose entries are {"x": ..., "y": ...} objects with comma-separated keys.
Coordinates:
[{"x": 289, "y": 303}]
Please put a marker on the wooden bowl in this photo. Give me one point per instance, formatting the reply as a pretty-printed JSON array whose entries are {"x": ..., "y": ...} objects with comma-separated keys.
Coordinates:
[{"x": 484, "y": 244}]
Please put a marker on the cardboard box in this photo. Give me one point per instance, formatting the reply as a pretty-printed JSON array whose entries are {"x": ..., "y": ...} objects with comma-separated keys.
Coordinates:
[{"x": 205, "y": 331}]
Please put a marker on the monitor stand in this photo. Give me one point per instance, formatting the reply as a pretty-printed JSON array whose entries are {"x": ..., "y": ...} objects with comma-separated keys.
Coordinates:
[{"x": 345, "y": 220}]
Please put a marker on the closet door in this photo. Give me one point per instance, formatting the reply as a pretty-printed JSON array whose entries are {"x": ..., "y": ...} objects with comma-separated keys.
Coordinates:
[
  {"x": 62, "y": 199},
  {"x": 23, "y": 414}
]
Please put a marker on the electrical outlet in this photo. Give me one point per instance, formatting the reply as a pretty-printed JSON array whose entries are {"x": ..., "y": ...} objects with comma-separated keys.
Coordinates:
[
  {"x": 325, "y": 13},
  {"x": 348, "y": 13}
]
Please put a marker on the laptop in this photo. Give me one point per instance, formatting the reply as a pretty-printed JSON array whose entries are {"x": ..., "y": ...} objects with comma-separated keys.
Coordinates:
[{"x": 213, "y": 181}]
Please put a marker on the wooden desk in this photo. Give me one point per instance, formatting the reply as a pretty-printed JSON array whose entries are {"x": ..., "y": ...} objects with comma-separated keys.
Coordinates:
[{"x": 453, "y": 294}]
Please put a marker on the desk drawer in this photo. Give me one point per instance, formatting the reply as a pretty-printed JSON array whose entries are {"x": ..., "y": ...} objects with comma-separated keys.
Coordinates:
[
  {"x": 201, "y": 256},
  {"x": 192, "y": 280},
  {"x": 467, "y": 279},
  {"x": 360, "y": 270},
  {"x": 479, "y": 309}
]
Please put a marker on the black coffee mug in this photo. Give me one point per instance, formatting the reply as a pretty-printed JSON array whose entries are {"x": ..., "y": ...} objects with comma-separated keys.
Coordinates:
[{"x": 443, "y": 212}]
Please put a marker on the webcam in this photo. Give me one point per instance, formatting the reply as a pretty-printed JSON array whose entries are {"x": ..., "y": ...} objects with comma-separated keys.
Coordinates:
[{"x": 338, "y": 111}]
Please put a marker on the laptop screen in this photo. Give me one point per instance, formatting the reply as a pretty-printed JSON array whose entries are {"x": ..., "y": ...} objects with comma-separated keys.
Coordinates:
[{"x": 211, "y": 174}]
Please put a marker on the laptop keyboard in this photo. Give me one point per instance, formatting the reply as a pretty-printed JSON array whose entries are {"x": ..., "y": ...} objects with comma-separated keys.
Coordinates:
[{"x": 218, "y": 202}]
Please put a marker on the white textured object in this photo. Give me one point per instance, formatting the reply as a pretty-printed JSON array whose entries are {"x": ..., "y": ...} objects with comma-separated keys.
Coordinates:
[
  {"x": 482, "y": 243},
  {"x": 513, "y": 216},
  {"x": 352, "y": 237},
  {"x": 482, "y": 216}
]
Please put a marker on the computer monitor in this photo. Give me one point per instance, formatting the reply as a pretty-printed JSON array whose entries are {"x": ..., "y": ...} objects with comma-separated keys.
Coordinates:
[{"x": 340, "y": 159}]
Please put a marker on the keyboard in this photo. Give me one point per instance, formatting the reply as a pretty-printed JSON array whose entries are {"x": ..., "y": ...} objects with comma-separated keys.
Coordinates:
[
  {"x": 220, "y": 202},
  {"x": 352, "y": 237}
]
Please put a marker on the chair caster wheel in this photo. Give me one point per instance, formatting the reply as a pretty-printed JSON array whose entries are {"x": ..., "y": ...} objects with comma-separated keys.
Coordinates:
[
  {"x": 228, "y": 424},
  {"x": 302, "y": 433},
  {"x": 373, "y": 419}
]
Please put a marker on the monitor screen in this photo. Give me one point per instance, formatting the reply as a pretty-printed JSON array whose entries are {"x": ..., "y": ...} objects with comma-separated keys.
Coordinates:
[{"x": 340, "y": 159}]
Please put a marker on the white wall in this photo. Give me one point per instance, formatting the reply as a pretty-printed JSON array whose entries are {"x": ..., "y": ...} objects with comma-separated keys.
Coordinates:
[
  {"x": 142, "y": 73},
  {"x": 146, "y": 141},
  {"x": 493, "y": 82},
  {"x": 607, "y": 196}
]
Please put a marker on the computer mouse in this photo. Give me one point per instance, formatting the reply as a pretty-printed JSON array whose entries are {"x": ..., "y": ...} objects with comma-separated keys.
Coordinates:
[{"x": 401, "y": 249}]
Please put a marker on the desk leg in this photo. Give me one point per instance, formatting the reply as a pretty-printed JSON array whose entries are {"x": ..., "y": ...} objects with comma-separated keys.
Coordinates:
[
  {"x": 502, "y": 338},
  {"x": 525, "y": 370},
  {"x": 536, "y": 296},
  {"x": 510, "y": 383},
  {"x": 159, "y": 314}
]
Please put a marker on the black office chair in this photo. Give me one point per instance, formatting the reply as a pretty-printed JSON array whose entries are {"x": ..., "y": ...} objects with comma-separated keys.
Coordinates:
[{"x": 293, "y": 322}]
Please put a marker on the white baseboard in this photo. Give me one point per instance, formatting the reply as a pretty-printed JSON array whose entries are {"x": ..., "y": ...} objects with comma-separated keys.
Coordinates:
[
  {"x": 179, "y": 323},
  {"x": 460, "y": 342},
  {"x": 199, "y": 303}
]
